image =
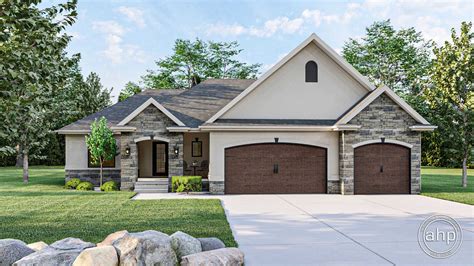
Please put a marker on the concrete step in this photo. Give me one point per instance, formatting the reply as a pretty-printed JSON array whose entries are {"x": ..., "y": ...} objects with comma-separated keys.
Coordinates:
[
  {"x": 152, "y": 179},
  {"x": 139, "y": 186},
  {"x": 151, "y": 190},
  {"x": 164, "y": 182}
]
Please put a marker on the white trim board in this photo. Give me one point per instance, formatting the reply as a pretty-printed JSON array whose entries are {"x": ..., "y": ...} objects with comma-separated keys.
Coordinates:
[
  {"x": 389, "y": 141},
  {"x": 374, "y": 95},
  {"x": 323, "y": 46},
  {"x": 145, "y": 105}
]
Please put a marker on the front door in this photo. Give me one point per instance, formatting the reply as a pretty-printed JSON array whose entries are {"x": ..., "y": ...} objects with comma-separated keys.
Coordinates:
[{"x": 160, "y": 159}]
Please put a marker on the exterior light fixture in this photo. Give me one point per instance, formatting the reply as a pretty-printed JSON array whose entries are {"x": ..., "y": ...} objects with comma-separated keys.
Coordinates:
[
  {"x": 176, "y": 150},
  {"x": 127, "y": 150},
  {"x": 276, "y": 140}
]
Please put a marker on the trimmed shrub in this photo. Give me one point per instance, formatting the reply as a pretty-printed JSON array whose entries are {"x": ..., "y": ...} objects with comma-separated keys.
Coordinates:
[
  {"x": 85, "y": 186},
  {"x": 72, "y": 183},
  {"x": 186, "y": 184},
  {"x": 109, "y": 186}
]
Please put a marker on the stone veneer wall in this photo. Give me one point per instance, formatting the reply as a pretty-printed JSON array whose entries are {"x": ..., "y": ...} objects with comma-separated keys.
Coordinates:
[
  {"x": 382, "y": 118},
  {"x": 93, "y": 175},
  {"x": 150, "y": 121}
]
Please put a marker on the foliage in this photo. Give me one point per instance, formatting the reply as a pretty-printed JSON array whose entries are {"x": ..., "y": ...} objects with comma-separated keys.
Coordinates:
[
  {"x": 101, "y": 144},
  {"x": 72, "y": 183},
  {"x": 84, "y": 186},
  {"x": 109, "y": 186},
  {"x": 95, "y": 215},
  {"x": 399, "y": 59},
  {"x": 186, "y": 184},
  {"x": 33, "y": 72},
  {"x": 451, "y": 98},
  {"x": 194, "y": 61},
  {"x": 129, "y": 90}
]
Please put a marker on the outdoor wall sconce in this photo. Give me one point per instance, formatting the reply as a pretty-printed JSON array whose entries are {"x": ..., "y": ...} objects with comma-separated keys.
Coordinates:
[
  {"x": 127, "y": 150},
  {"x": 276, "y": 140},
  {"x": 176, "y": 150}
]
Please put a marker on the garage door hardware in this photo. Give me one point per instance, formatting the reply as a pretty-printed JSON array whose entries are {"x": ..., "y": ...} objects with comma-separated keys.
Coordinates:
[
  {"x": 275, "y": 168},
  {"x": 381, "y": 169}
]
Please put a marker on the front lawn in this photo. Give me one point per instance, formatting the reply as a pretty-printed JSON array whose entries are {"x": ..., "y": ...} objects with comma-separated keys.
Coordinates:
[
  {"x": 444, "y": 183},
  {"x": 43, "y": 210}
]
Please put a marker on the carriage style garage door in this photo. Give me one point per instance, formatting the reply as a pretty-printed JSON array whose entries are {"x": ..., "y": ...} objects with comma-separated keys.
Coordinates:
[
  {"x": 381, "y": 168},
  {"x": 275, "y": 168}
]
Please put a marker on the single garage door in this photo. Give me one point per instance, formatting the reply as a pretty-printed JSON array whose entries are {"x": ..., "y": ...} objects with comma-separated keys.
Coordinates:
[
  {"x": 269, "y": 168},
  {"x": 381, "y": 169}
]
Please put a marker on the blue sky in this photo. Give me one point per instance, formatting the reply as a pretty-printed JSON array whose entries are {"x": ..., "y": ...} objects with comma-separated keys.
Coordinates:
[{"x": 120, "y": 40}]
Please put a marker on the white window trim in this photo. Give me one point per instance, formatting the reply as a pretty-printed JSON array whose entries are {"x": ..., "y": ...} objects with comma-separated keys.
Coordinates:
[
  {"x": 390, "y": 141},
  {"x": 150, "y": 138},
  {"x": 145, "y": 105}
]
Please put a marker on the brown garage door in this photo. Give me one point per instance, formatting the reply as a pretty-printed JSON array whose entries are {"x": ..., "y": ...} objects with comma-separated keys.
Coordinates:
[
  {"x": 275, "y": 168},
  {"x": 382, "y": 169}
]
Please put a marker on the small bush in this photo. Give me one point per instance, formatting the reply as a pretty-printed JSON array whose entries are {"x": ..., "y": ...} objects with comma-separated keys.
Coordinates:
[
  {"x": 186, "y": 184},
  {"x": 109, "y": 186},
  {"x": 85, "y": 186},
  {"x": 72, "y": 183}
]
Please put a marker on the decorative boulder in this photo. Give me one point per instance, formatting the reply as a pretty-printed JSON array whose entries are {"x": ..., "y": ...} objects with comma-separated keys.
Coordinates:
[
  {"x": 98, "y": 256},
  {"x": 12, "y": 250},
  {"x": 145, "y": 248},
  {"x": 184, "y": 244},
  {"x": 62, "y": 252},
  {"x": 111, "y": 238},
  {"x": 37, "y": 246},
  {"x": 211, "y": 243},
  {"x": 216, "y": 257}
]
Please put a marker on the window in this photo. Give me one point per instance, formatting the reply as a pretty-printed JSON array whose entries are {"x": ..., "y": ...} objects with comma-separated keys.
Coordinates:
[
  {"x": 107, "y": 164},
  {"x": 196, "y": 148},
  {"x": 311, "y": 71}
]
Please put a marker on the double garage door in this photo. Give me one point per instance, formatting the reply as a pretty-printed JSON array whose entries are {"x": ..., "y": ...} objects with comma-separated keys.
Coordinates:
[{"x": 273, "y": 168}]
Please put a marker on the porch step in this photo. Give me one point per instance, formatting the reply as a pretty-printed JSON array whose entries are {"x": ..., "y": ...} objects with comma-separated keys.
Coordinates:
[
  {"x": 151, "y": 190},
  {"x": 151, "y": 185}
]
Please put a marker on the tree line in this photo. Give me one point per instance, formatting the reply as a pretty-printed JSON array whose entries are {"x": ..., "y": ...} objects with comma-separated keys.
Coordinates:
[{"x": 42, "y": 88}]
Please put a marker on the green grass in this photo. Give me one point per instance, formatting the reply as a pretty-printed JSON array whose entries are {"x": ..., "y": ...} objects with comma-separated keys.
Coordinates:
[
  {"x": 444, "y": 183},
  {"x": 44, "y": 210}
]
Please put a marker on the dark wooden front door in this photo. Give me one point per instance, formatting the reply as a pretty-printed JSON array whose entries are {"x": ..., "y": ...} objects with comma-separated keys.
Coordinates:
[
  {"x": 160, "y": 159},
  {"x": 381, "y": 168},
  {"x": 272, "y": 168}
]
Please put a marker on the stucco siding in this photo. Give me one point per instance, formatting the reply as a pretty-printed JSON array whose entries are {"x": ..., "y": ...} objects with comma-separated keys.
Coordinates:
[
  {"x": 76, "y": 153},
  {"x": 221, "y": 140},
  {"x": 286, "y": 95}
]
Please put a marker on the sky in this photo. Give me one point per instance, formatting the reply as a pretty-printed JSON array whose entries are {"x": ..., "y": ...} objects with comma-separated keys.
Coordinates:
[{"x": 121, "y": 39}]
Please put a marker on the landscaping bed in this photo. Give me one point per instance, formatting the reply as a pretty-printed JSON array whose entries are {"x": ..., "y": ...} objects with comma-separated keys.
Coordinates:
[{"x": 45, "y": 211}]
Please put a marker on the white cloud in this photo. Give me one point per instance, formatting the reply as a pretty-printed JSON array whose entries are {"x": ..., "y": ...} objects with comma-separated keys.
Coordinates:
[
  {"x": 133, "y": 14},
  {"x": 116, "y": 51},
  {"x": 284, "y": 24}
]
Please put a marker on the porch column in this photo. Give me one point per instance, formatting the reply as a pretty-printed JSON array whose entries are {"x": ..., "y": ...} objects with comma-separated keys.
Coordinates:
[{"x": 128, "y": 163}]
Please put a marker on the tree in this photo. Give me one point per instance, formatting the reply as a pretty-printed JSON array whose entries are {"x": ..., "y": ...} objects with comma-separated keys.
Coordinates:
[
  {"x": 129, "y": 90},
  {"x": 34, "y": 64},
  {"x": 101, "y": 144},
  {"x": 399, "y": 59},
  {"x": 452, "y": 97},
  {"x": 194, "y": 61}
]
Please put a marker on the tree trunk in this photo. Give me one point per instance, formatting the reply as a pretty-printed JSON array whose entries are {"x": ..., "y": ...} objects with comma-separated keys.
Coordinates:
[
  {"x": 19, "y": 156},
  {"x": 26, "y": 175},
  {"x": 464, "y": 170},
  {"x": 101, "y": 174}
]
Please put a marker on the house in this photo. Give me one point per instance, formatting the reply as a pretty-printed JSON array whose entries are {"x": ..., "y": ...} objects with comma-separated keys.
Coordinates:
[{"x": 310, "y": 124}]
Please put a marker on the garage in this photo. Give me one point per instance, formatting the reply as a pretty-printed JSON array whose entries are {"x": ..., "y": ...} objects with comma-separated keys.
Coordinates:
[
  {"x": 275, "y": 168},
  {"x": 382, "y": 168}
]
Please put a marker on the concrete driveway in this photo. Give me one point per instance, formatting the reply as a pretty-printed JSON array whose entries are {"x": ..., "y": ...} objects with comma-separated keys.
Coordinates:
[
  {"x": 338, "y": 230},
  {"x": 341, "y": 230}
]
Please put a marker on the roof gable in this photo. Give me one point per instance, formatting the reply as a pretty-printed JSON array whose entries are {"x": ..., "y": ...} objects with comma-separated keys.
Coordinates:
[
  {"x": 348, "y": 116},
  {"x": 313, "y": 38},
  {"x": 142, "y": 107}
]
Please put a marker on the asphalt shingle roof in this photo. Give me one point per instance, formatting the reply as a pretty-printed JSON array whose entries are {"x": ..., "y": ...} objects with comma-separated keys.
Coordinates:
[{"x": 192, "y": 106}]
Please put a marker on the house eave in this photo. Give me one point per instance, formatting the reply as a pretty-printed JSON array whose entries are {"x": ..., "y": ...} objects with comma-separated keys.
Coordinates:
[
  {"x": 267, "y": 128},
  {"x": 423, "y": 128}
]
